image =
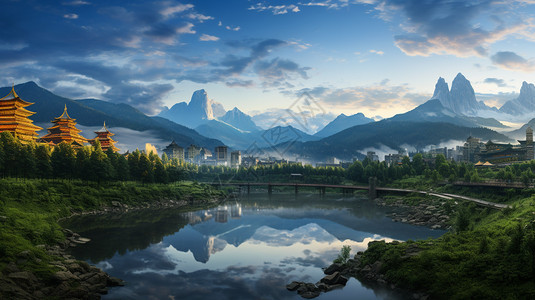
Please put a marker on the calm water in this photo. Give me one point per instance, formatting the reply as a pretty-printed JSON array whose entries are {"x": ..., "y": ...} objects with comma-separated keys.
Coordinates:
[{"x": 246, "y": 249}]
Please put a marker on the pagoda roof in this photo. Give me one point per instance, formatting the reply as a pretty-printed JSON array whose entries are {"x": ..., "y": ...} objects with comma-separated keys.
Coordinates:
[
  {"x": 65, "y": 115},
  {"x": 14, "y": 96},
  {"x": 103, "y": 129}
]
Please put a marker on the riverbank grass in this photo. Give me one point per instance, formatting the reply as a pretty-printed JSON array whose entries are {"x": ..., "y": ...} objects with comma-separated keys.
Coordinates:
[{"x": 30, "y": 210}]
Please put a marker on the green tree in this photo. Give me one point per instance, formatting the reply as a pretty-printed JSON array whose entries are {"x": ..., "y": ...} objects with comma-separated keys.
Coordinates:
[
  {"x": 42, "y": 160},
  {"x": 145, "y": 168},
  {"x": 63, "y": 161}
]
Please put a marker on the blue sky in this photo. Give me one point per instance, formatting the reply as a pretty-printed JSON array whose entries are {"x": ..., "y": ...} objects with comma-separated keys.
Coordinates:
[{"x": 379, "y": 57}]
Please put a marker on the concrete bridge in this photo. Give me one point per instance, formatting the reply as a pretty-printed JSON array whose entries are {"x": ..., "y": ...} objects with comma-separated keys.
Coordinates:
[{"x": 372, "y": 190}]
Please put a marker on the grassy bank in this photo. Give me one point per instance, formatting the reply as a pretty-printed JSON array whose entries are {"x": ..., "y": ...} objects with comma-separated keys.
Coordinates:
[
  {"x": 30, "y": 209},
  {"x": 490, "y": 254}
]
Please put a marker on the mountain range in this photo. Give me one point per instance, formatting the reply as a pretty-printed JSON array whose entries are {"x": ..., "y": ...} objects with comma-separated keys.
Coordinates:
[
  {"x": 450, "y": 114},
  {"x": 92, "y": 112}
]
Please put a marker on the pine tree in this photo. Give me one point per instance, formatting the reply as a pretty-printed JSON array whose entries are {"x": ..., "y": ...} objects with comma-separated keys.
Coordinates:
[{"x": 42, "y": 160}]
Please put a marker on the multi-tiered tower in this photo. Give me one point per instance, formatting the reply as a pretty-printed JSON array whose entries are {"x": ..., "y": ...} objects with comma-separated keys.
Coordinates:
[
  {"x": 64, "y": 130},
  {"x": 529, "y": 144},
  {"x": 14, "y": 117},
  {"x": 104, "y": 137}
]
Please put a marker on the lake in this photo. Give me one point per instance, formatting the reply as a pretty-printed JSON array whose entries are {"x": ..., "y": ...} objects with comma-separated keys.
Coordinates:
[{"x": 248, "y": 248}]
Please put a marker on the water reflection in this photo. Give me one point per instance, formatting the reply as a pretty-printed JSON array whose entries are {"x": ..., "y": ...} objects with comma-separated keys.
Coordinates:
[{"x": 248, "y": 249}]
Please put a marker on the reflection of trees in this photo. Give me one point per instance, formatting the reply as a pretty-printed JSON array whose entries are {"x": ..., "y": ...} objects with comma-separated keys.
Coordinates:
[{"x": 131, "y": 231}]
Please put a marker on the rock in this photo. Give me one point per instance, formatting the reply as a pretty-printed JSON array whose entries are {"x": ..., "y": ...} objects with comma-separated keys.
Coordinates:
[
  {"x": 310, "y": 294},
  {"x": 24, "y": 277},
  {"x": 335, "y": 278},
  {"x": 294, "y": 285},
  {"x": 116, "y": 203},
  {"x": 113, "y": 281},
  {"x": 332, "y": 268},
  {"x": 64, "y": 276}
]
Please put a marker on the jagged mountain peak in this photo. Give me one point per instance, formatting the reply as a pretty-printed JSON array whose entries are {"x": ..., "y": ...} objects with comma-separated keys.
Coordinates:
[{"x": 239, "y": 119}]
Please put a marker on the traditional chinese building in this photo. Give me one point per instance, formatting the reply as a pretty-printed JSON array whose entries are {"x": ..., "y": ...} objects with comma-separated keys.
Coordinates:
[
  {"x": 15, "y": 118},
  {"x": 501, "y": 153},
  {"x": 104, "y": 137},
  {"x": 64, "y": 130}
]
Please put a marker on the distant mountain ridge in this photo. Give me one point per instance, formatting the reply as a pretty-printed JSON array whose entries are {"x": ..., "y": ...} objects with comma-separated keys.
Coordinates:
[
  {"x": 240, "y": 120},
  {"x": 92, "y": 112},
  {"x": 524, "y": 103},
  {"x": 393, "y": 135},
  {"x": 343, "y": 122}
]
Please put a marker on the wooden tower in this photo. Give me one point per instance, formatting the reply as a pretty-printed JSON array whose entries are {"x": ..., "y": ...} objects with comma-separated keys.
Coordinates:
[
  {"x": 14, "y": 117},
  {"x": 64, "y": 130},
  {"x": 104, "y": 137}
]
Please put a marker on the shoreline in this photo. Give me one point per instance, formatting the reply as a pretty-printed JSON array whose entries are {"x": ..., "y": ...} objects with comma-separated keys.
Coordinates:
[{"x": 74, "y": 279}]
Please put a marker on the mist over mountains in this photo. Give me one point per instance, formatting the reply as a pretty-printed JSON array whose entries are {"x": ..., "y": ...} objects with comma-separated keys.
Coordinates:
[{"x": 452, "y": 114}]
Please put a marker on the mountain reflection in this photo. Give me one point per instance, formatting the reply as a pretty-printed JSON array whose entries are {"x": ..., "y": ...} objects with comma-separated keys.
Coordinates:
[{"x": 245, "y": 246}]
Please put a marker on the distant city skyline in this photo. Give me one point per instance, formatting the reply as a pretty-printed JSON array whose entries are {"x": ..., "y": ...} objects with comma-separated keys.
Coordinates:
[{"x": 375, "y": 57}]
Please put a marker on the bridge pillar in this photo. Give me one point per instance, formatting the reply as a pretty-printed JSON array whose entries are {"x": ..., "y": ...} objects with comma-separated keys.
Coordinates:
[
  {"x": 372, "y": 189},
  {"x": 248, "y": 189},
  {"x": 270, "y": 189},
  {"x": 296, "y": 189}
]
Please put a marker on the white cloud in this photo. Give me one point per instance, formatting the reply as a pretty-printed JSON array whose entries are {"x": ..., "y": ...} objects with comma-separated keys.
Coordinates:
[
  {"x": 208, "y": 38},
  {"x": 275, "y": 9},
  {"x": 171, "y": 10},
  {"x": 188, "y": 28},
  {"x": 237, "y": 28},
  {"x": 200, "y": 17},
  {"x": 378, "y": 52},
  {"x": 70, "y": 16}
]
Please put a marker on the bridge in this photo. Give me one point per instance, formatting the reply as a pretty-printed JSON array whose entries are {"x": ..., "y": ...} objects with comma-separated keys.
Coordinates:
[{"x": 372, "y": 190}]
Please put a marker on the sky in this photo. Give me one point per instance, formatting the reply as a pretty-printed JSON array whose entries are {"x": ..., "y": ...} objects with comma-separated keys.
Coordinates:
[{"x": 379, "y": 57}]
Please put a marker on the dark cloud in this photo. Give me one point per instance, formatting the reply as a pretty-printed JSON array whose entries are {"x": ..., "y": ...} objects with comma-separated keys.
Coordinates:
[
  {"x": 496, "y": 81},
  {"x": 239, "y": 83},
  {"x": 512, "y": 61},
  {"x": 277, "y": 72},
  {"x": 447, "y": 26}
]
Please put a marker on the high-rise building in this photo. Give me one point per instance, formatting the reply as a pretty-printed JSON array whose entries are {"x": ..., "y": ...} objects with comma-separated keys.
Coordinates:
[{"x": 14, "y": 117}]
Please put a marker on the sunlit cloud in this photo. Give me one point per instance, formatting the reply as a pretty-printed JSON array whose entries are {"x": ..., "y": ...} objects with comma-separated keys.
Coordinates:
[
  {"x": 208, "y": 38},
  {"x": 512, "y": 61}
]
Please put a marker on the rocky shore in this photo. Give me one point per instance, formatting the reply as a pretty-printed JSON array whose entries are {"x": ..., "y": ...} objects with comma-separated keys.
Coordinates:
[
  {"x": 432, "y": 213},
  {"x": 337, "y": 276},
  {"x": 73, "y": 280}
]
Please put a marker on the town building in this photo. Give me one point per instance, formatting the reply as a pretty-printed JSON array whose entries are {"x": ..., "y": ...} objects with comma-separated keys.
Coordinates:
[
  {"x": 221, "y": 155},
  {"x": 104, "y": 137},
  {"x": 372, "y": 156},
  {"x": 173, "y": 150},
  {"x": 14, "y": 117},
  {"x": 193, "y": 152},
  {"x": 494, "y": 153},
  {"x": 64, "y": 130},
  {"x": 235, "y": 159}
]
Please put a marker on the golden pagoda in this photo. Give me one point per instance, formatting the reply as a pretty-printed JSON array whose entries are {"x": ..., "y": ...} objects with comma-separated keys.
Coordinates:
[
  {"x": 104, "y": 137},
  {"x": 14, "y": 117},
  {"x": 64, "y": 130}
]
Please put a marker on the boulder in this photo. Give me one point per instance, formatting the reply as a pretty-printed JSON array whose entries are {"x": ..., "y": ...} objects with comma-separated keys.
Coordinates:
[
  {"x": 335, "y": 278},
  {"x": 294, "y": 285},
  {"x": 332, "y": 268}
]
